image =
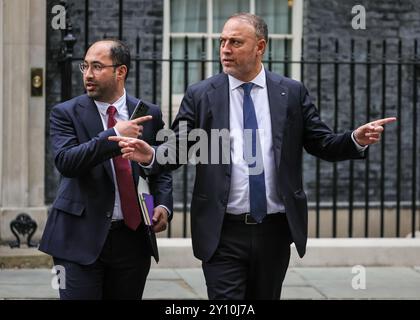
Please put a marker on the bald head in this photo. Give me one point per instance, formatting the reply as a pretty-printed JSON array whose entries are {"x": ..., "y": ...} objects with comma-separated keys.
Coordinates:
[
  {"x": 118, "y": 52},
  {"x": 261, "y": 29}
]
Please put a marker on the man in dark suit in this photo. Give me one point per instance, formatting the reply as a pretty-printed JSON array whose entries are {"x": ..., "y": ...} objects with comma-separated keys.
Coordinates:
[
  {"x": 94, "y": 228},
  {"x": 243, "y": 220}
]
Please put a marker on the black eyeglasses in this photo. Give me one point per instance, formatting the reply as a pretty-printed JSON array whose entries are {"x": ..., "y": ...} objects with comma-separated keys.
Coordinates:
[{"x": 96, "y": 67}]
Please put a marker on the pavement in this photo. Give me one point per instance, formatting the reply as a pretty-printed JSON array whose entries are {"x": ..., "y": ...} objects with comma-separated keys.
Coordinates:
[
  {"x": 301, "y": 283},
  {"x": 332, "y": 269}
]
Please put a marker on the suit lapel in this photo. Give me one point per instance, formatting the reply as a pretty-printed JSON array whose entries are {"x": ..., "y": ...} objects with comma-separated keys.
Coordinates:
[
  {"x": 219, "y": 102},
  {"x": 277, "y": 97},
  {"x": 131, "y": 104},
  {"x": 219, "y": 107},
  {"x": 278, "y": 101},
  {"x": 91, "y": 119}
]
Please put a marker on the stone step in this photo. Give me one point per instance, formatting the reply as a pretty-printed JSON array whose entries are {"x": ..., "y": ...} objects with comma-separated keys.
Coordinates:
[{"x": 23, "y": 257}]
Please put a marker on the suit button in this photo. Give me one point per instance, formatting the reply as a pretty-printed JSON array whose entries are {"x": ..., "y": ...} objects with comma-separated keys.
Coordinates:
[{"x": 109, "y": 214}]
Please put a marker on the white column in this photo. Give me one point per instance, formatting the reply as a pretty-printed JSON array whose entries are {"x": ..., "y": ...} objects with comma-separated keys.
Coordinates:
[
  {"x": 1, "y": 99},
  {"x": 297, "y": 26},
  {"x": 15, "y": 102},
  {"x": 37, "y": 45},
  {"x": 22, "y": 124},
  {"x": 165, "y": 65}
]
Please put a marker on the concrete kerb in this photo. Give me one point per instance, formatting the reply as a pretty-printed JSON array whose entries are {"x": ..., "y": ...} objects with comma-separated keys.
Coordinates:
[
  {"x": 334, "y": 252},
  {"x": 343, "y": 252}
]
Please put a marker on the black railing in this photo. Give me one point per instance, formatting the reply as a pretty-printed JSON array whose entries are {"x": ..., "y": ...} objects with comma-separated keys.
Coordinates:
[{"x": 353, "y": 82}]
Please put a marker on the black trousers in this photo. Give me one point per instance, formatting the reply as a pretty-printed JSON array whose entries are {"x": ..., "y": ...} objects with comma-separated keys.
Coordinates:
[
  {"x": 120, "y": 272},
  {"x": 251, "y": 260}
]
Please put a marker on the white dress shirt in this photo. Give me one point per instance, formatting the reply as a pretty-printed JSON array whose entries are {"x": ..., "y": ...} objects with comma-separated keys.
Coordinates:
[
  {"x": 239, "y": 188},
  {"x": 122, "y": 115},
  {"x": 238, "y": 202}
]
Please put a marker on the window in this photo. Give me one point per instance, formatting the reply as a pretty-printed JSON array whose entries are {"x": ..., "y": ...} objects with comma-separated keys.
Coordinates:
[{"x": 201, "y": 21}]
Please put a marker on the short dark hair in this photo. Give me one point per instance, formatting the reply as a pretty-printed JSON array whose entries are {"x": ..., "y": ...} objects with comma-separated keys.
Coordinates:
[
  {"x": 119, "y": 52},
  {"x": 261, "y": 29}
]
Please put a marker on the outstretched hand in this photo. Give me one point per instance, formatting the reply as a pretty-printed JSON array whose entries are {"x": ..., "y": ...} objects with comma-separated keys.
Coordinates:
[
  {"x": 134, "y": 149},
  {"x": 132, "y": 128},
  {"x": 370, "y": 133}
]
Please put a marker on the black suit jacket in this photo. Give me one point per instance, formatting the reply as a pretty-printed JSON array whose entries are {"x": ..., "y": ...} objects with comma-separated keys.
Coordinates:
[
  {"x": 80, "y": 216},
  {"x": 295, "y": 125}
]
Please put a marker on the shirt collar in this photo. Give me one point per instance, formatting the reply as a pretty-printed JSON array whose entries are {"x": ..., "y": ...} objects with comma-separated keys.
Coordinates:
[
  {"x": 259, "y": 80},
  {"x": 119, "y": 104}
]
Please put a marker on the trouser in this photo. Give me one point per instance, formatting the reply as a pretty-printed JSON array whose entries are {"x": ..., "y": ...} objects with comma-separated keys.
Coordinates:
[
  {"x": 251, "y": 260},
  {"x": 119, "y": 272}
]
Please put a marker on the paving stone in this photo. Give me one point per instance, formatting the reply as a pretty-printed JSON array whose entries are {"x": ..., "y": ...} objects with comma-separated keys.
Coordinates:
[
  {"x": 379, "y": 283},
  {"x": 195, "y": 279},
  {"x": 300, "y": 293},
  {"x": 163, "y": 274},
  {"x": 293, "y": 279},
  {"x": 189, "y": 283},
  {"x": 173, "y": 289}
]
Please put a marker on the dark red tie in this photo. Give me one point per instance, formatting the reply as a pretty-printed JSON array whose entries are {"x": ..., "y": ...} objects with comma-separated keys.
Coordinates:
[{"x": 128, "y": 195}]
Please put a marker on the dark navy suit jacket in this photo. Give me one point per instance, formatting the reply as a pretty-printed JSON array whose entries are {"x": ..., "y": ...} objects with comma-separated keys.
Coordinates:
[
  {"x": 295, "y": 124},
  {"x": 80, "y": 217}
]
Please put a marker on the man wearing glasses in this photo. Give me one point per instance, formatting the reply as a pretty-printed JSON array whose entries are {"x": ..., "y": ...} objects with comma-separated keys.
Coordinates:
[{"x": 94, "y": 228}]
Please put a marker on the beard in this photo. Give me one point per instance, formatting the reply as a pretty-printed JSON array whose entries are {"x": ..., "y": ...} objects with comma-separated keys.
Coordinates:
[
  {"x": 101, "y": 91},
  {"x": 95, "y": 94}
]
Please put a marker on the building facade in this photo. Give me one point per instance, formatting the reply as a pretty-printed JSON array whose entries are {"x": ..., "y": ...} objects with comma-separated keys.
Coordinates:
[{"x": 168, "y": 37}]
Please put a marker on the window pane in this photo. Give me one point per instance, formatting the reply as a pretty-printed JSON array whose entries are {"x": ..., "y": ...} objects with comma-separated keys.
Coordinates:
[
  {"x": 188, "y": 15},
  {"x": 223, "y": 9},
  {"x": 216, "y": 66},
  {"x": 196, "y": 70},
  {"x": 280, "y": 53},
  {"x": 276, "y": 13}
]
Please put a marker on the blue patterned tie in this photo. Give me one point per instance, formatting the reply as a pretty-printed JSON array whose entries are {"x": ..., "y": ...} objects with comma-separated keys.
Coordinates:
[{"x": 257, "y": 194}]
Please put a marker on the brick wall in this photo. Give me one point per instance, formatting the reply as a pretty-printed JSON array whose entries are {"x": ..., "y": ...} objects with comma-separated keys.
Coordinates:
[
  {"x": 143, "y": 18},
  {"x": 385, "y": 20}
]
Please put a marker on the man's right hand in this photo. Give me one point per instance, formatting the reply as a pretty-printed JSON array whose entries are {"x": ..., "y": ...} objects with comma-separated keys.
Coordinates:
[
  {"x": 131, "y": 128},
  {"x": 134, "y": 149}
]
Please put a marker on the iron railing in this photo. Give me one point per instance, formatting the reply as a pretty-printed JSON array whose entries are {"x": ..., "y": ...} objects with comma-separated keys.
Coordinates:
[{"x": 350, "y": 86}]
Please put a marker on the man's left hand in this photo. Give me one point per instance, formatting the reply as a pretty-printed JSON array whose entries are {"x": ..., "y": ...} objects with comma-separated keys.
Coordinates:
[
  {"x": 160, "y": 219},
  {"x": 371, "y": 132}
]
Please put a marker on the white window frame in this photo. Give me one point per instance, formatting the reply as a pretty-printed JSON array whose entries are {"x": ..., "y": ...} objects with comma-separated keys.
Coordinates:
[{"x": 295, "y": 36}]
